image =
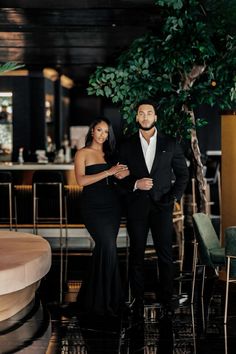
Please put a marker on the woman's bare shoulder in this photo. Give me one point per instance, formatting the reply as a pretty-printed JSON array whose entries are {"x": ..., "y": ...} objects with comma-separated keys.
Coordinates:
[{"x": 83, "y": 153}]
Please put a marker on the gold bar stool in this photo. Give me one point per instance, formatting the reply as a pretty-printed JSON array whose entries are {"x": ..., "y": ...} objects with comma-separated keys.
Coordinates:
[
  {"x": 50, "y": 207},
  {"x": 7, "y": 212}
]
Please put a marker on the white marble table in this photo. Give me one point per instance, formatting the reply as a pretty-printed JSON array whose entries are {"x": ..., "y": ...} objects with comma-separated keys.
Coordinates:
[{"x": 24, "y": 260}]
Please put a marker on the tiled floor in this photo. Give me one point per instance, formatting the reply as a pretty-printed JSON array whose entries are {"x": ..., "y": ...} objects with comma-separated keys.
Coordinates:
[{"x": 46, "y": 328}]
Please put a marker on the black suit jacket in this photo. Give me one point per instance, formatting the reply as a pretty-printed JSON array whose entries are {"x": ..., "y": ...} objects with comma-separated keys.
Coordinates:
[{"x": 169, "y": 171}]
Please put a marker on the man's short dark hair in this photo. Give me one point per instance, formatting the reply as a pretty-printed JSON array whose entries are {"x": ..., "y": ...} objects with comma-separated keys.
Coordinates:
[{"x": 147, "y": 101}]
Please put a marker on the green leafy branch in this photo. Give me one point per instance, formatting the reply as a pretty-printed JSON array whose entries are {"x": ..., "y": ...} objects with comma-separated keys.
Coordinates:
[
  {"x": 9, "y": 66},
  {"x": 190, "y": 62}
]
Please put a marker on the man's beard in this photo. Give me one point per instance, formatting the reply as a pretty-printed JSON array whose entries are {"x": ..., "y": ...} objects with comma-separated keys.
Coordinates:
[{"x": 146, "y": 128}]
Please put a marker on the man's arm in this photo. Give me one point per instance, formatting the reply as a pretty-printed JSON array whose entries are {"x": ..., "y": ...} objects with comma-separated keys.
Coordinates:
[
  {"x": 181, "y": 173},
  {"x": 127, "y": 181}
]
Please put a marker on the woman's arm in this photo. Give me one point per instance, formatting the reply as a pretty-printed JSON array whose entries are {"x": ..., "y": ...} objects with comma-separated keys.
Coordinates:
[{"x": 85, "y": 180}]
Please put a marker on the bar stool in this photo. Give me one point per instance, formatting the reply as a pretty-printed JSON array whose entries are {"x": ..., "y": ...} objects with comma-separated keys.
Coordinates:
[
  {"x": 50, "y": 207},
  {"x": 178, "y": 224},
  {"x": 7, "y": 212}
]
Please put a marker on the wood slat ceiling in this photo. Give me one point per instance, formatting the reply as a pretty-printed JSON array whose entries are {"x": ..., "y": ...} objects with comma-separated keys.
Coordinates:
[{"x": 74, "y": 36}]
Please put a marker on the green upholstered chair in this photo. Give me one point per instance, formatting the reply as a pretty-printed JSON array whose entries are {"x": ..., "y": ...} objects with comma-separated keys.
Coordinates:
[
  {"x": 230, "y": 253},
  {"x": 208, "y": 252},
  {"x": 207, "y": 249}
]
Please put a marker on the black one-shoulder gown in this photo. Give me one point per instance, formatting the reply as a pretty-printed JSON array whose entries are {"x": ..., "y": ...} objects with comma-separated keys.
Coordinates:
[{"x": 101, "y": 291}]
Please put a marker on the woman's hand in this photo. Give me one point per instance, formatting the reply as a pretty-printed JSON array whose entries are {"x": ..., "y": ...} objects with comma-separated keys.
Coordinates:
[
  {"x": 122, "y": 174},
  {"x": 119, "y": 168}
]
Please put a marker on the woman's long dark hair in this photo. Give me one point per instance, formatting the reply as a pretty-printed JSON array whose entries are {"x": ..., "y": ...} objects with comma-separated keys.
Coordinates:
[{"x": 110, "y": 144}]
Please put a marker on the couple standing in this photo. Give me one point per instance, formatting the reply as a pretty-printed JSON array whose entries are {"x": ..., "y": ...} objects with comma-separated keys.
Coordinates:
[{"x": 147, "y": 162}]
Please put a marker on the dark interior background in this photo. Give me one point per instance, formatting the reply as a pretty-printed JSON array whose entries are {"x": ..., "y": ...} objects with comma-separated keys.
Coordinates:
[{"x": 74, "y": 37}]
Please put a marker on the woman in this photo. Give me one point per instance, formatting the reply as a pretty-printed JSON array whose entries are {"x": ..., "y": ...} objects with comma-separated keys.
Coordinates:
[{"x": 101, "y": 293}]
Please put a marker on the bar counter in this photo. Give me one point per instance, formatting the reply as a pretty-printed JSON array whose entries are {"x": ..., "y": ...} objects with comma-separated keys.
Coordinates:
[
  {"x": 22, "y": 173},
  {"x": 29, "y": 166}
]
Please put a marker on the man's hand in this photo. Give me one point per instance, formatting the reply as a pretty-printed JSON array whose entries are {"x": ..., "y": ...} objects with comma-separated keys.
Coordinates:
[
  {"x": 177, "y": 206},
  {"x": 144, "y": 184}
]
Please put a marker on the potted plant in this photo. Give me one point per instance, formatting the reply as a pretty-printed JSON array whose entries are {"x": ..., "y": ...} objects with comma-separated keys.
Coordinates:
[{"x": 186, "y": 61}]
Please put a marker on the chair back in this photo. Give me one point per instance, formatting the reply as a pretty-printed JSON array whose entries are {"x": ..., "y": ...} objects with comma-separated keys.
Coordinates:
[
  {"x": 48, "y": 189},
  {"x": 5, "y": 177},
  {"x": 230, "y": 247},
  {"x": 47, "y": 183},
  {"x": 6, "y": 198},
  {"x": 44, "y": 176},
  {"x": 205, "y": 236},
  {"x": 5, "y": 184}
]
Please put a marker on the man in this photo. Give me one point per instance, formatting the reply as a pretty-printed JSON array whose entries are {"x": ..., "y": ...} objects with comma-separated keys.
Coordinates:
[{"x": 152, "y": 159}]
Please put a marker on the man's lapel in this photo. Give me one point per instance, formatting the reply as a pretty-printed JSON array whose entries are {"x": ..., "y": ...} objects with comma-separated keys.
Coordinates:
[
  {"x": 159, "y": 148},
  {"x": 139, "y": 153}
]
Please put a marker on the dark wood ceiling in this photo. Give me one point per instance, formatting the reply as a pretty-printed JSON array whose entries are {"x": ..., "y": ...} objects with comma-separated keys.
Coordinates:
[{"x": 74, "y": 35}]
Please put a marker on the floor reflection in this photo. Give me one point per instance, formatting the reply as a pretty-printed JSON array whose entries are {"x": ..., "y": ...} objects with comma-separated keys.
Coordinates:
[
  {"x": 29, "y": 331},
  {"x": 45, "y": 327},
  {"x": 133, "y": 338},
  {"x": 126, "y": 335},
  {"x": 166, "y": 336}
]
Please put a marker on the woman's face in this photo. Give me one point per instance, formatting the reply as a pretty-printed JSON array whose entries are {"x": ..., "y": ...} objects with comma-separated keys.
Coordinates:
[{"x": 100, "y": 132}]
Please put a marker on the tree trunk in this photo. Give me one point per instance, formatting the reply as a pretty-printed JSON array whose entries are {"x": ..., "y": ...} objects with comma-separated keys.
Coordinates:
[
  {"x": 189, "y": 79},
  {"x": 198, "y": 169}
]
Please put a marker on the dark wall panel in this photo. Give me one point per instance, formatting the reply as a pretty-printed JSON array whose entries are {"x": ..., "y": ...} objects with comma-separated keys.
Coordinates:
[
  {"x": 84, "y": 108},
  {"x": 209, "y": 136},
  {"x": 37, "y": 113}
]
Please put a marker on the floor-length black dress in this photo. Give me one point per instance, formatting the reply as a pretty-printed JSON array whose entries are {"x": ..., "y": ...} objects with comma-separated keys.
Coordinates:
[{"x": 101, "y": 291}]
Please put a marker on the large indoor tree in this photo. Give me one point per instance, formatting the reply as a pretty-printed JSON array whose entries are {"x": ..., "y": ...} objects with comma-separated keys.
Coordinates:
[{"x": 187, "y": 60}]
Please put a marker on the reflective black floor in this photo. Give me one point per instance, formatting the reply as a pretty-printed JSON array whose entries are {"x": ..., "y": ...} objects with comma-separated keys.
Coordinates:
[{"x": 48, "y": 327}]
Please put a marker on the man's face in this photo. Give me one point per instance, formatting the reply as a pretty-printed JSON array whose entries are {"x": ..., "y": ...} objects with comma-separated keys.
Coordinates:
[{"x": 146, "y": 116}]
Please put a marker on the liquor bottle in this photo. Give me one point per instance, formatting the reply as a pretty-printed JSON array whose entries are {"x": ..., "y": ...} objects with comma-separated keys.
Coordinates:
[{"x": 20, "y": 156}]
